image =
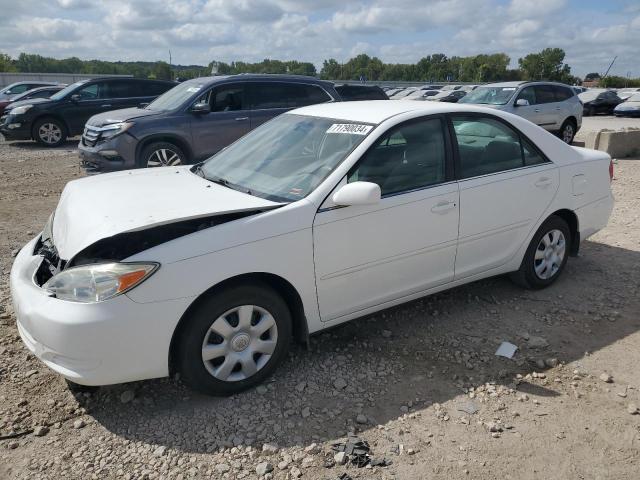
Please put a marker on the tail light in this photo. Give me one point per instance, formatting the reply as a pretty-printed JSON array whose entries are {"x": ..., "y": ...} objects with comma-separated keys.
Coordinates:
[{"x": 611, "y": 171}]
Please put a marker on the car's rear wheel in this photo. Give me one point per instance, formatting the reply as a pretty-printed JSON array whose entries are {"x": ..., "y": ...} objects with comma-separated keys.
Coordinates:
[
  {"x": 162, "y": 154},
  {"x": 546, "y": 255},
  {"x": 568, "y": 131},
  {"x": 233, "y": 340},
  {"x": 49, "y": 132}
]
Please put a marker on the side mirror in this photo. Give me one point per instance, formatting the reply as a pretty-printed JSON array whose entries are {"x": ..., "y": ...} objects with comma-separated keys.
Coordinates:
[
  {"x": 143, "y": 104},
  {"x": 357, "y": 193},
  {"x": 75, "y": 97},
  {"x": 201, "y": 108},
  {"x": 522, "y": 102}
]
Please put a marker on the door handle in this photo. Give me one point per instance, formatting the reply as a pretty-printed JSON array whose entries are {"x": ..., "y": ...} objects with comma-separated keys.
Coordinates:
[
  {"x": 443, "y": 207},
  {"x": 536, "y": 109},
  {"x": 106, "y": 105},
  {"x": 543, "y": 182},
  {"x": 557, "y": 108},
  {"x": 240, "y": 119}
]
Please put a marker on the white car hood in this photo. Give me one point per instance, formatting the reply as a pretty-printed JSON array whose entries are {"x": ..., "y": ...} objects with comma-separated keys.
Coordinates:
[{"x": 94, "y": 208}]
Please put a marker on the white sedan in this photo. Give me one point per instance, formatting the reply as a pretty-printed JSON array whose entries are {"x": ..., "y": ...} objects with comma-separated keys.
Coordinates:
[{"x": 322, "y": 215}]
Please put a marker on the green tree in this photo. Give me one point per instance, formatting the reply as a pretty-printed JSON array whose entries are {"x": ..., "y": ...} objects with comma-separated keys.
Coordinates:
[
  {"x": 592, "y": 76},
  {"x": 6, "y": 63},
  {"x": 162, "y": 71},
  {"x": 546, "y": 65}
]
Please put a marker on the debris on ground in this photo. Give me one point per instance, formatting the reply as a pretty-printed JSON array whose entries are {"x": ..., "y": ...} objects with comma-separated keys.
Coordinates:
[
  {"x": 506, "y": 350},
  {"x": 355, "y": 449}
]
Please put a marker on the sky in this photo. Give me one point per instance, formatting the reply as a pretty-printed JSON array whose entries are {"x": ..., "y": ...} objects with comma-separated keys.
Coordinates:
[{"x": 397, "y": 31}]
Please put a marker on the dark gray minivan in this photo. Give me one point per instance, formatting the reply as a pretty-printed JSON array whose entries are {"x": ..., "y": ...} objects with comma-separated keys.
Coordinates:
[{"x": 194, "y": 120}]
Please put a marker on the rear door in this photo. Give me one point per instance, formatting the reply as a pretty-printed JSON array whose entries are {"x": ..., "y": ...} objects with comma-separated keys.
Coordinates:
[
  {"x": 227, "y": 121},
  {"x": 548, "y": 107},
  {"x": 267, "y": 100},
  {"x": 506, "y": 184}
]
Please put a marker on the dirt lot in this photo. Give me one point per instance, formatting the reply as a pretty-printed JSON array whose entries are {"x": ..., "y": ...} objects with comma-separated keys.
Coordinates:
[{"x": 401, "y": 379}]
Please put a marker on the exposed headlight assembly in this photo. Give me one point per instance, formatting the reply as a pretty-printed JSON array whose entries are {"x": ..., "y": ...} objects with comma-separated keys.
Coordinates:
[
  {"x": 98, "y": 282},
  {"x": 20, "y": 110},
  {"x": 114, "y": 129}
]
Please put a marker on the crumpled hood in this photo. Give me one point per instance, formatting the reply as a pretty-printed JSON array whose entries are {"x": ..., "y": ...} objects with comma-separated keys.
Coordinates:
[
  {"x": 94, "y": 208},
  {"x": 122, "y": 115}
]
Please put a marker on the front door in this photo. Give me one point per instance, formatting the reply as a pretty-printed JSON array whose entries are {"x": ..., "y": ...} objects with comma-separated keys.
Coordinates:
[
  {"x": 227, "y": 121},
  {"x": 506, "y": 185},
  {"x": 368, "y": 255},
  {"x": 92, "y": 99}
]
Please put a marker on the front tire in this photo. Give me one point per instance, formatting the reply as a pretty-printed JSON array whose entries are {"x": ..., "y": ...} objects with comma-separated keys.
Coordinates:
[
  {"x": 546, "y": 255},
  {"x": 49, "y": 132},
  {"x": 233, "y": 340},
  {"x": 162, "y": 154}
]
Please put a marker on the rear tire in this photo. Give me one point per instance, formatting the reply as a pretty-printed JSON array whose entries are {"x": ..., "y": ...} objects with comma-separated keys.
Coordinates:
[
  {"x": 568, "y": 131},
  {"x": 233, "y": 340},
  {"x": 546, "y": 255},
  {"x": 162, "y": 154},
  {"x": 49, "y": 132}
]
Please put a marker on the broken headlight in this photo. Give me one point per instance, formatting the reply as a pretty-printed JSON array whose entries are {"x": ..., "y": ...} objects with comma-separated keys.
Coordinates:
[{"x": 99, "y": 281}]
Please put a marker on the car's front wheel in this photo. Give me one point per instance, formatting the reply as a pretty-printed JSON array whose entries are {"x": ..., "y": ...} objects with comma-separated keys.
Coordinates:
[
  {"x": 546, "y": 255},
  {"x": 49, "y": 132},
  {"x": 233, "y": 340},
  {"x": 162, "y": 154},
  {"x": 568, "y": 131}
]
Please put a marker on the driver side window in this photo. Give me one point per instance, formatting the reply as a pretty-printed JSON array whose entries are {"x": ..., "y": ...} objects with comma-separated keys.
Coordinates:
[
  {"x": 528, "y": 94},
  {"x": 409, "y": 157}
]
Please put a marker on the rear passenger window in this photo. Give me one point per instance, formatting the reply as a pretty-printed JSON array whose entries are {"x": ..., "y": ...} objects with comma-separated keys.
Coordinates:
[
  {"x": 269, "y": 95},
  {"x": 410, "y": 157},
  {"x": 301, "y": 95},
  {"x": 563, "y": 93},
  {"x": 545, "y": 94},
  {"x": 488, "y": 146},
  {"x": 121, "y": 89}
]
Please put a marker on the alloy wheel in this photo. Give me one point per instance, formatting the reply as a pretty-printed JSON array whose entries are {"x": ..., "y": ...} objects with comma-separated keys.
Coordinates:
[
  {"x": 567, "y": 133},
  {"x": 239, "y": 343},
  {"x": 549, "y": 254},
  {"x": 164, "y": 157},
  {"x": 50, "y": 133}
]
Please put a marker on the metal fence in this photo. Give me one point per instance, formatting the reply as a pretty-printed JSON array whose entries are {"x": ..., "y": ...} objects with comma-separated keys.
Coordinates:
[{"x": 7, "y": 78}]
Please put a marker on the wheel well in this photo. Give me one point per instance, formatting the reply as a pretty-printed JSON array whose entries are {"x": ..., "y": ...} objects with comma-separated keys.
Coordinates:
[
  {"x": 279, "y": 284},
  {"x": 572, "y": 220},
  {"x": 573, "y": 120},
  {"x": 180, "y": 143},
  {"x": 42, "y": 117}
]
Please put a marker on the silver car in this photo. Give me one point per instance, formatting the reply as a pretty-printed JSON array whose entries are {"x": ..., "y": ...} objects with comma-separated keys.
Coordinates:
[{"x": 553, "y": 106}]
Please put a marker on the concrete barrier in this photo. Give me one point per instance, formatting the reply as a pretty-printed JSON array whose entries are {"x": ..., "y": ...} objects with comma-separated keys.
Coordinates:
[{"x": 617, "y": 143}]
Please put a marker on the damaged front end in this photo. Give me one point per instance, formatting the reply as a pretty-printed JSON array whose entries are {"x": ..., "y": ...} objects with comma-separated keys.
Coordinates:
[{"x": 122, "y": 245}]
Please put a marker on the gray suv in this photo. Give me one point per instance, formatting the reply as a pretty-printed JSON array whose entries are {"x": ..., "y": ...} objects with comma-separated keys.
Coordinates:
[
  {"x": 553, "y": 106},
  {"x": 194, "y": 120}
]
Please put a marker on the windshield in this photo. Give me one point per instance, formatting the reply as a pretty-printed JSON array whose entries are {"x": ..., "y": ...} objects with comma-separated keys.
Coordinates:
[
  {"x": 589, "y": 95},
  {"x": 287, "y": 158},
  {"x": 65, "y": 91},
  {"x": 174, "y": 98},
  {"x": 634, "y": 98},
  {"x": 489, "y": 95}
]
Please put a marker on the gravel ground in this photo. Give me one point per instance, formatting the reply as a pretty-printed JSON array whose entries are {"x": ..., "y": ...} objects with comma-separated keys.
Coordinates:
[{"x": 420, "y": 383}]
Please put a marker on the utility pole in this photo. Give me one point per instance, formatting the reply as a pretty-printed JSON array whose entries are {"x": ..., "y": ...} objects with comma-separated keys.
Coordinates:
[
  {"x": 607, "y": 72},
  {"x": 170, "y": 72}
]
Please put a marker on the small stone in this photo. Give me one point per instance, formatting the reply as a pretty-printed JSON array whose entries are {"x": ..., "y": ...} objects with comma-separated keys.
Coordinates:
[
  {"x": 127, "y": 396},
  {"x": 361, "y": 419},
  {"x": 79, "y": 424},
  {"x": 312, "y": 449},
  {"x": 160, "y": 451},
  {"x": 263, "y": 468},
  {"x": 40, "y": 431},
  {"x": 386, "y": 333},
  {"x": 222, "y": 468},
  {"x": 13, "y": 445},
  {"x": 295, "y": 472},
  {"x": 551, "y": 362},
  {"x": 261, "y": 389},
  {"x": 632, "y": 408},
  {"x": 30, "y": 373},
  {"x": 270, "y": 448},
  {"x": 301, "y": 386},
  {"x": 340, "y": 383},
  {"x": 341, "y": 458},
  {"x": 606, "y": 378},
  {"x": 283, "y": 465},
  {"x": 306, "y": 412}
]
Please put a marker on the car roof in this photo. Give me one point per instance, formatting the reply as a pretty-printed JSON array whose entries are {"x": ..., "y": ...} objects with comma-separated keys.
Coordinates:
[
  {"x": 519, "y": 83},
  {"x": 269, "y": 77},
  {"x": 377, "y": 111}
]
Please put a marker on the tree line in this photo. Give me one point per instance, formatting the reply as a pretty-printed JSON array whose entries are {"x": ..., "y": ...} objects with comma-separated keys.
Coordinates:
[{"x": 547, "y": 64}]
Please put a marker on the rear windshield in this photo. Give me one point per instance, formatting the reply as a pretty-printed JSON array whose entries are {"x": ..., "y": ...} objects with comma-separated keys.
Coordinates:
[{"x": 489, "y": 95}]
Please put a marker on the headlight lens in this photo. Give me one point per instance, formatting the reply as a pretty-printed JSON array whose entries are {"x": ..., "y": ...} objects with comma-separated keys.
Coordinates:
[
  {"x": 114, "y": 129},
  {"x": 98, "y": 282},
  {"x": 20, "y": 110}
]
